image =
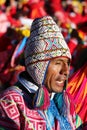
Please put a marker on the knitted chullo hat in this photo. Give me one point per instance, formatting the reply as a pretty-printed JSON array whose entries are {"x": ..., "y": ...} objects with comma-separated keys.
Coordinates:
[{"x": 45, "y": 42}]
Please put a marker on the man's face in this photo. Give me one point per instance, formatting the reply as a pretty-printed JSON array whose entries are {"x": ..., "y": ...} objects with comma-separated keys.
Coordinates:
[{"x": 57, "y": 73}]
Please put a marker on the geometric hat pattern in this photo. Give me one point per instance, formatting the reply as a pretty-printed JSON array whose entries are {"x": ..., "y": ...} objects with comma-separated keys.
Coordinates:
[{"x": 45, "y": 42}]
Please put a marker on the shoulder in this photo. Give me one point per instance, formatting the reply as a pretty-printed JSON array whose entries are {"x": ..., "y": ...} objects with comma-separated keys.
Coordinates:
[
  {"x": 11, "y": 90},
  {"x": 11, "y": 96},
  {"x": 11, "y": 101}
]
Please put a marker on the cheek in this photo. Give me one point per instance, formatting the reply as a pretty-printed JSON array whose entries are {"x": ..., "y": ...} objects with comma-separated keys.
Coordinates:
[
  {"x": 54, "y": 71},
  {"x": 51, "y": 72},
  {"x": 49, "y": 82},
  {"x": 51, "y": 75}
]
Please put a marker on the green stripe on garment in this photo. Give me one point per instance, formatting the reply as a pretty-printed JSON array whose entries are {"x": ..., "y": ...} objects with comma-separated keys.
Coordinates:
[{"x": 78, "y": 121}]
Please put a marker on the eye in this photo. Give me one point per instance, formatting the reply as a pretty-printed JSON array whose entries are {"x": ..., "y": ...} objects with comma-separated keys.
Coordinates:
[{"x": 58, "y": 62}]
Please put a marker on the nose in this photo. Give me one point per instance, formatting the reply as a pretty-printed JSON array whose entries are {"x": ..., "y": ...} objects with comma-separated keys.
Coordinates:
[{"x": 64, "y": 69}]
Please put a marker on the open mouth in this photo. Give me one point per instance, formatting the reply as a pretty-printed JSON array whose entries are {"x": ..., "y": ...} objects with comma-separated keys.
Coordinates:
[{"x": 60, "y": 83}]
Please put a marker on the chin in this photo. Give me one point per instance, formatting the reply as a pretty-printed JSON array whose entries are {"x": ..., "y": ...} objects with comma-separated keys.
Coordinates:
[{"x": 58, "y": 91}]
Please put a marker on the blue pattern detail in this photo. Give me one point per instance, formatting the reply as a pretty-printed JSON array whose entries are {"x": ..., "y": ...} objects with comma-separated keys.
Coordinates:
[
  {"x": 53, "y": 114},
  {"x": 21, "y": 47}
]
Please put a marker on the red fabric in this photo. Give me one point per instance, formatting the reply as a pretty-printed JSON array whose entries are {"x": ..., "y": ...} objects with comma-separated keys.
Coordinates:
[
  {"x": 37, "y": 10},
  {"x": 8, "y": 74},
  {"x": 13, "y": 11},
  {"x": 78, "y": 18},
  {"x": 15, "y": 112},
  {"x": 14, "y": 107},
  {"x": 14, "y": 22},
  {"x": 56, "y": 5},
  {"x": 72, "y": 44},
  {"x": 77, "y": 88},
  {"x": 5, "y": 76}
]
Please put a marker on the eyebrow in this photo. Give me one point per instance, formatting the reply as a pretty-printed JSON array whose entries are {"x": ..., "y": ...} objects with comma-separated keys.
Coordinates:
[{"x": 67, "y": 60}]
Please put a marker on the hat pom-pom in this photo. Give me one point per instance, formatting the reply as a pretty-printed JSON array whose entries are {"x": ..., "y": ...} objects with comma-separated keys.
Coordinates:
[{"x": 41, "y": 99}]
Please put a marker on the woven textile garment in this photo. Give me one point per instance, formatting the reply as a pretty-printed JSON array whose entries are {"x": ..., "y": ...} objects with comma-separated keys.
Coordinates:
[
  {"x": 17, "y": 113},
  {"x": 77, "y": 88}
]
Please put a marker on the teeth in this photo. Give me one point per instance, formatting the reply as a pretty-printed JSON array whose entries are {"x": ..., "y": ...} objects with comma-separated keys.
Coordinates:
[{"x": 60, "y": 81}]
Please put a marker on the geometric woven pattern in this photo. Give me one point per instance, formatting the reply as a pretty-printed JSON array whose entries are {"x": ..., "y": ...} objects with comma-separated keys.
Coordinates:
[
  {"x": 45, "y": 42},
  {"x": 15, "y": 112},
  {"x": 13, "y": 106}
]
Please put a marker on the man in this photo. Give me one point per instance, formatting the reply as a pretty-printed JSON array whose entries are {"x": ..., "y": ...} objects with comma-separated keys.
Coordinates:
[{"x": 38, "y": 101}]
